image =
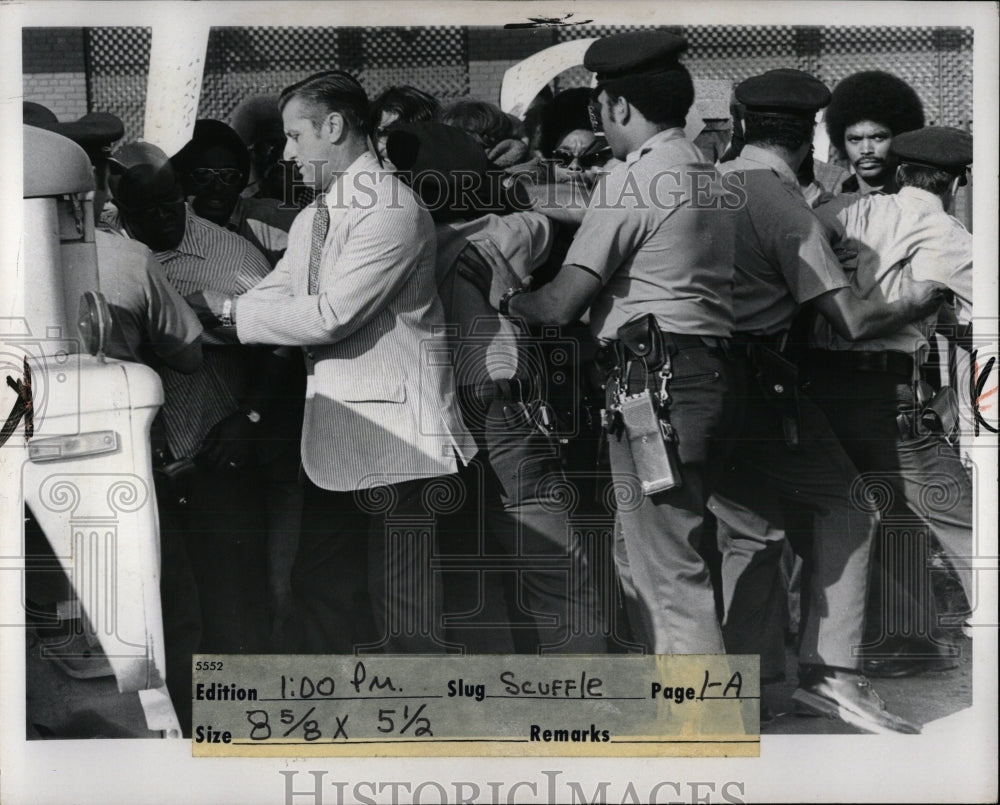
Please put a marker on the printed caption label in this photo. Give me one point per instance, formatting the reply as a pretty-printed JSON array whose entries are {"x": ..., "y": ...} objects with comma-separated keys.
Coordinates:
[{"x": 497, "y": 705}]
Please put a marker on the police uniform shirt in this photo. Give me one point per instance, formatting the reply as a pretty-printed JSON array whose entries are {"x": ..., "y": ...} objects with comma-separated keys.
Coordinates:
[
  {"x": 783, "y": 254},
  {"x": 658, "y": 233},
  {"x": 892, "y": 234}
]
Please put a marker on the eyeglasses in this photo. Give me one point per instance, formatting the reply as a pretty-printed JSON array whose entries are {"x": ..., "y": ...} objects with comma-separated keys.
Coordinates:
[
  {"x": 585, "y": 160},
  {"x": 228, "y": 177},
  {"x": 594, "y": 110}
]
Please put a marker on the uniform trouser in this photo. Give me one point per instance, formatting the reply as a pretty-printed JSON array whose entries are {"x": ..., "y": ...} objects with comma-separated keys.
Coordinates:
[
  {"x": 362, "y": 578},
  {"x": 919, "y": 472},
  {"x": 771, "y": 491},
  {"x": 528, "y": 503},
  {"x": 665, "y": 581}
]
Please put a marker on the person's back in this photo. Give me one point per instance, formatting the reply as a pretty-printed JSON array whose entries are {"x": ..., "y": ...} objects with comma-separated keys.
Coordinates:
[
  {"x": 889, "y": 234},
  {"x": 151, "y": 321}
]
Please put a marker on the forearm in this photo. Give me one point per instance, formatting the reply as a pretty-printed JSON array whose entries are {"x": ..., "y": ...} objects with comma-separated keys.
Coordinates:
[
  {"x": 544, "y": 306},
  {"x": 864, "y": 319}
]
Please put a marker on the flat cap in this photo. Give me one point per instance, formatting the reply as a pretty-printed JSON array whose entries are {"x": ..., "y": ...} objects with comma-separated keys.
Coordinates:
[
  {"x": 634, "y": 52},
  {"x": 783, "y": 90},
  {"x": 942, "y": 147},
  {"x": 93, "y": 130}
]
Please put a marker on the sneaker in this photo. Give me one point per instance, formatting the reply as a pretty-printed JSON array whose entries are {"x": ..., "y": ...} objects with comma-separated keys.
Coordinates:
[{"x": 850, "y": 697}]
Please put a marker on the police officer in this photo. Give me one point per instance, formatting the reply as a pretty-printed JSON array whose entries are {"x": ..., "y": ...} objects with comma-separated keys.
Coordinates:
[
  {"x": 789, "y": 473},
  {"x": 870, "y": 389},
  {"x": 653, "y": 260}
]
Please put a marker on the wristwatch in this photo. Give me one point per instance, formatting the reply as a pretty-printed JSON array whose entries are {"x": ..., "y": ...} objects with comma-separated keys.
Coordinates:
[
  {"x": 226, "y": 317},
  {"x": 251, "y": 414},
  {"x": 510, "y": 293}
]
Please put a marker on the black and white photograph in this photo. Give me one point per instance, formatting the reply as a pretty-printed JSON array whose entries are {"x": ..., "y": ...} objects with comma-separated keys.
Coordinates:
[{"x": 514, "y": 347}]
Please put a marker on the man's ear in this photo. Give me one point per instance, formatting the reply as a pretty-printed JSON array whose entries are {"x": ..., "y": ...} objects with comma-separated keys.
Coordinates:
[
  {"x": 621, "y": 111},
  {"x": 335, "y": 127}
]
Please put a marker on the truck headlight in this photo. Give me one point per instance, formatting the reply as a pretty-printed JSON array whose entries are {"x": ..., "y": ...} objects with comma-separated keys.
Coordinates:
[{"x": 94, "y": 322}]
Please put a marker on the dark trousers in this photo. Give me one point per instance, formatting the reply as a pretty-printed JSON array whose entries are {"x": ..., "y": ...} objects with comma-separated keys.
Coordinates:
[
  {"x": 213, "y": 579},
  {"x": 362, "y": 578},
  {"x": 658, "y": 538},
  {"x": 915, "y": 475},
  {"x": 806, "y": 493},
  {"x": 527, "y": 503}
]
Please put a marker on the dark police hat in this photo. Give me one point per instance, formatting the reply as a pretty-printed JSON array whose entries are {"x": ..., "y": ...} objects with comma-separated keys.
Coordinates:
[
  {"x": 93, "y": 130},
  {"x": 940, "y": 147},
  {"x": 783, "y": 90},
  {"x": 633, "y": 53}
]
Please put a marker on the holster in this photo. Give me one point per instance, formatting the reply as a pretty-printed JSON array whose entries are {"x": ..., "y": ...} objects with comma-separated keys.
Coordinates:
[
  {"x": 643, "y": 341},
  {"x": 940, "y": 415},
  {"x": 778, "y": 379}
]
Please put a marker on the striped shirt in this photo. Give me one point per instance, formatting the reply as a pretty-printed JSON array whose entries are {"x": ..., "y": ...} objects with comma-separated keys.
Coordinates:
[{"x": 208, "y": 258}]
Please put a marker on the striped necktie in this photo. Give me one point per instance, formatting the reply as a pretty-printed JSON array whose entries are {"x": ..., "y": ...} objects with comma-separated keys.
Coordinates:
[{"x": 321, "y": 223}]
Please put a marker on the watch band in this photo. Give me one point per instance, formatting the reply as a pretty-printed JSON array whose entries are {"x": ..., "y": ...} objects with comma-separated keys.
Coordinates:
[{"x": 504, "y": 306}]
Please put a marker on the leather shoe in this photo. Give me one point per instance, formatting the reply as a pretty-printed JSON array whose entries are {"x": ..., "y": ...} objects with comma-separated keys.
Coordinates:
[
  {"x": 900, "y": 667},
  {"x": 849, "y": 696}
]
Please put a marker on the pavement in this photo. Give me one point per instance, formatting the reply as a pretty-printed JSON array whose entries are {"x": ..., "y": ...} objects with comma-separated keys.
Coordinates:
[{"x": 920, "y": 699}]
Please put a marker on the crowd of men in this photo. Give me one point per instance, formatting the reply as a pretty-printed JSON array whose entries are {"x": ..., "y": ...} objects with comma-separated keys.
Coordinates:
[{"x": 748, "y": 337}]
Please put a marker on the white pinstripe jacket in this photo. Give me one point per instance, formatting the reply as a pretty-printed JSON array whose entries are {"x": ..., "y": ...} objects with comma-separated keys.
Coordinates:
[{"x": 380, "y": 404}]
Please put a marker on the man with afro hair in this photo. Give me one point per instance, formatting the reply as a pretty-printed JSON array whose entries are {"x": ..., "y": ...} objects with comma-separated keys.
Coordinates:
[{"x": 866, "y": 111}]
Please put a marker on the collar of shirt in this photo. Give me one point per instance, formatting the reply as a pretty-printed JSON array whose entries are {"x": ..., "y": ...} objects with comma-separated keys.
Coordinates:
[
  {"x": 922, "y": 197},
  {"x": 346, "y": 185},
  {"x": 657, "y": 139},
  {"x": 770, "y": 160},
  {"x": 191, "y": 242}
]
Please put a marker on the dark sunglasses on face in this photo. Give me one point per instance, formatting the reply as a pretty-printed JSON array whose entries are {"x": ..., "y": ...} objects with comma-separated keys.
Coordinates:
[
  {"x": 585, "y": 160},
  {"x": 229, "y": 177}
]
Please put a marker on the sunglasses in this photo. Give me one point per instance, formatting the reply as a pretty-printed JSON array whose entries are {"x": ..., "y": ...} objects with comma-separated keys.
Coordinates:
[
  {"x": 585, "y": 160},
  {"x": 228, "y": 177}
]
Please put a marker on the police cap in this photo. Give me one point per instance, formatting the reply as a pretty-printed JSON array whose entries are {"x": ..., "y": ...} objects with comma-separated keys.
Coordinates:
[
  {"x": 634, "y": 52},
  {"x": 940, "y": 147},
  {"x": 783, "y": 90}
]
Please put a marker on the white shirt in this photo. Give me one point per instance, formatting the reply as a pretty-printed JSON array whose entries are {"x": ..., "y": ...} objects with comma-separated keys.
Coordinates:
[{"x": 892, "y": 235}]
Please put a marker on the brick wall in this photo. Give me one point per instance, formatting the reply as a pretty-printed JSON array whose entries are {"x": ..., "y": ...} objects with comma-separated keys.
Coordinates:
[
  {"x": 64, "y": 93},
  {"x": 54, "y": 72}
]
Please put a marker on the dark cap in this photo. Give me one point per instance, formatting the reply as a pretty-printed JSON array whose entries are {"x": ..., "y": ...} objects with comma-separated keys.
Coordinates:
[
  {"x": 783, "y": 90},
  {"x": 941, "y": 147},
  {"x": 207, "y": 133},
  {"x": 450, "y": 172},
  {"x": 634, "y": 52},
  {"x": 91, "y": 131},
  {"x": 141, "y": 174}
]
